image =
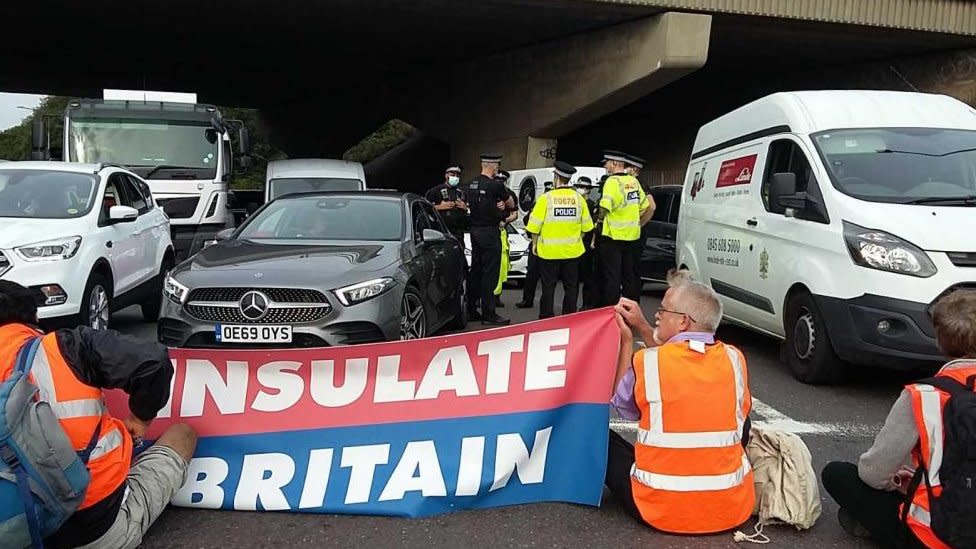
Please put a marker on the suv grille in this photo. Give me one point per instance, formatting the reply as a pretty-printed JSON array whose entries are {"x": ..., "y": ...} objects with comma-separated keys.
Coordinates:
[
  {"x": 962, "y": 259},
  {"x": 287, "y": 306},
  {"x": 4, "y": 263}
]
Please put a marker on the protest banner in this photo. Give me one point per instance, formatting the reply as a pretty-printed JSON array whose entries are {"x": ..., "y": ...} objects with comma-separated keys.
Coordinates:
[{"x": 482, "y": 419}]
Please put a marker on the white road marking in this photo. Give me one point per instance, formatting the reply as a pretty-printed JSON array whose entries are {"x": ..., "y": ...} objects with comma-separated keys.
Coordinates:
[{"x": 772, "y": 419}]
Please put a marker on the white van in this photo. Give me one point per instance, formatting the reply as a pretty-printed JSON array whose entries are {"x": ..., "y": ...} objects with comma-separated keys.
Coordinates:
[
  {"x": 529, "y": 184},
  {"x": 312, "y": 174},
  {"x": 834, "y": 220}
]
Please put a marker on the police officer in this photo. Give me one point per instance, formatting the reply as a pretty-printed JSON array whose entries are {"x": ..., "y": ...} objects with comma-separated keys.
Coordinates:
[
  {"x": 511, "y": 214},
  {"x": 488, "y": 201},
  {"x": 532, "y": 267},
  {"x": 621, "y": 206},
  {"x": 590, "y": 290},
  {"x": 449, "y": 200},
  {"x": 634, "y": 165},
  {"x": 558, "y": 221}
]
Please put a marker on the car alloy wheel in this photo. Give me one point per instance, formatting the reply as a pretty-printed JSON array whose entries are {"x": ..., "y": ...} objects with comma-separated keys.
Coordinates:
[
  {"x": 98, "y": 308},
  {"x": 413, "y": 318},
  {"x": 804, "y": 335}
]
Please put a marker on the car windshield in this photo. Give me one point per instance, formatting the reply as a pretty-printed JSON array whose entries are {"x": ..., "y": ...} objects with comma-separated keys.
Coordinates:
[
  {"x": 326, "y": 217},
  {"x": 902, "y": 165},
  {"x": 283, "y": 186},
  {"x": 143, "y": 143},
  {"x": 42, "y": 194}
]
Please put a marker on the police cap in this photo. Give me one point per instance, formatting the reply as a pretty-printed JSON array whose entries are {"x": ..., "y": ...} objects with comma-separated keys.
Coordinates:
[
  {"x": 584, "y": 182},
  {"x": 563, "y": 169},
  {"x": 616, "y": 156},
  {"x": 635, "y": 161},
  {"x": 453, "y": 169},
  {"x": 502, "y": 176},
  {"x": 491, "y": 157}
]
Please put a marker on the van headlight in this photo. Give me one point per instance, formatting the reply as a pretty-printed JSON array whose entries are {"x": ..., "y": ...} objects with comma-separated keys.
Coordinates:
[
  {"x": 175, "y": 292},
  {"x": 357, "y": 293},
  {"x": 886, "y": 252},
  {"x": 50, "y": 250}
]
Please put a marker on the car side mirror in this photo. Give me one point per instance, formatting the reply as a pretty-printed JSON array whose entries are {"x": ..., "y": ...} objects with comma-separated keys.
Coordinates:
[
  {"x": 782, "y": 192},
  {"x": 224, "y": 234},
  {"x": 39, "y": 144},
  {"x": 430, "y": 235},
  {"x": 122, "y": 214}
]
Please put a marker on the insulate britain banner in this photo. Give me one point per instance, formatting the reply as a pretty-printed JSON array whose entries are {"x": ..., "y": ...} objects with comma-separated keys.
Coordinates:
[{"x": 485, "y": 419}]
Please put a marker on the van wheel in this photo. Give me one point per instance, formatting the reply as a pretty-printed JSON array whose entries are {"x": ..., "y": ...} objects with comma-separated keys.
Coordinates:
[
  {"x": 154, "y": 302},
  {"x": 96, "y": 305},
  {"x": 808, "y": 349}
]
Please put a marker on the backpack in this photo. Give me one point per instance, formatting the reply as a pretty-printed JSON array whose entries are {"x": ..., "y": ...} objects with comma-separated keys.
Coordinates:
[
  {"x": 786, "y": 485},
  {"x": 952, "y": 512},
  {"x": 42, "y": 479}
]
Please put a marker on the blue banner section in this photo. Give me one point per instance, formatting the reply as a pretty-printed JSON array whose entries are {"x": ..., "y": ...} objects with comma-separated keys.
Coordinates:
[{"x": 412, "y": 469}]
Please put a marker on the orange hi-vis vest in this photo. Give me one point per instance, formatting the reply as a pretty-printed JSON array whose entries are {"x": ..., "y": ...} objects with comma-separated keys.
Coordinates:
[
  {"x": 691, "y": 474},
  {"x": 78, "y": 407},
  {"x": 927, "y": 405}
]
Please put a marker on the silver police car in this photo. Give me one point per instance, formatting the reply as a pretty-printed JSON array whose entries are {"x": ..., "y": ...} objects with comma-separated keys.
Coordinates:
[{"x": 320, "y": 269}]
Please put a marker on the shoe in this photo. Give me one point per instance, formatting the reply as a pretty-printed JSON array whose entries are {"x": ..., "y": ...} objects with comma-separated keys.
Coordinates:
[
  {"x": 851, "y": 525},
  {"x": 524, "y": 305},
  {"x": 473, "y": 314},
  {"x": 496, "y": 321}
]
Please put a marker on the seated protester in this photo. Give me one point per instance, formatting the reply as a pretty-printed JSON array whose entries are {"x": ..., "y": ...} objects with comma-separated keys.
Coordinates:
[
  {"x": 689, "y": 473},
  {"x": 71, "y": 368},
  {"x": 871, "y": 494}
]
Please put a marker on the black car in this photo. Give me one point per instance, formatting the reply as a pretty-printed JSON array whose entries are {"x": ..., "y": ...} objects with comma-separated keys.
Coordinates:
[
  {"x": 660, "y": 234},
  {"x": 320, "y": 269}
]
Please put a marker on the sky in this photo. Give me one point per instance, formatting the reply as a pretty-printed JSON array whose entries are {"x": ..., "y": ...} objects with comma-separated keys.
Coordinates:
[{"x": 10, "y": 115}]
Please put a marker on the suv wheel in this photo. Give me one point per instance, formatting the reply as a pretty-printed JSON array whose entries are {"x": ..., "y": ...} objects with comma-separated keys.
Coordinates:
[{"x": 96, "y": 305}]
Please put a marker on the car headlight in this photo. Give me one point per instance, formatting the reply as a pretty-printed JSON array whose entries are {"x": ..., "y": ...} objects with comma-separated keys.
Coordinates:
[
  {"x": 357, "y": 293},
  {"x": 50, "y": 250},
  {"x": 176, "y": 292},
  {"x": 886, "y": 252}
]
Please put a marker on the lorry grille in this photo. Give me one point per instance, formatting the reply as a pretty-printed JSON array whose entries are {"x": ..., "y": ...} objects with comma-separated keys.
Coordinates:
[
  {"x": 4, "y": 264},
  {"x": 179, "y": 208},
  {"x": 287, "y": 305},
  {"x": 962, "y": 259}
]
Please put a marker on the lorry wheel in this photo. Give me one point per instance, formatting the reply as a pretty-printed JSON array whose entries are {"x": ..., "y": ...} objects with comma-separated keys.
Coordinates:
[
  {"x": 808, "y": 349},
  {"x": 154, "y": 302},
  {"x": 96, "y": 305}
]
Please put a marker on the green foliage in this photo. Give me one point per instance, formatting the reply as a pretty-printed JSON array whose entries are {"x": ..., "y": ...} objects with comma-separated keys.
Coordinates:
[
  {"x": 15, "y": 142},
  {"x": 389, "y": 135},
  {"x": 262, "y": 151}
]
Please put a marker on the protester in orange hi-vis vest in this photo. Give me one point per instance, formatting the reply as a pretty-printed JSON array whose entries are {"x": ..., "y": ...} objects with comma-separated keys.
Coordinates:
[
  {"x": 688, "y": 472},
  {"x": 923, "y": 454},
  {"x": 70, "y": 368}
]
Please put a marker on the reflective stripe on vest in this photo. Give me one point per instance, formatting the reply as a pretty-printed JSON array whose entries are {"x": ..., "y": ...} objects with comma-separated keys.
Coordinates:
[
  {"x": 693, "y": 483},
  {"x": 932, "y": 420},
  {"x": 715, "y": 439},
  {"x": 108, "y": 442},
  {"x": 41, "y": 372}
]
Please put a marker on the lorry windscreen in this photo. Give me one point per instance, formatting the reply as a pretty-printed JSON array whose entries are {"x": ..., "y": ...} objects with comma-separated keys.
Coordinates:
[
  {"x": 902, "y": 165},
  {"x": 144, "y": 143},
  {"x": 283, "y": 186}
]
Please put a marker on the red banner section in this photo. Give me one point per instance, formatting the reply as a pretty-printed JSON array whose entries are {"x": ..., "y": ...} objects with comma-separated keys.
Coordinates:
[
  {"x": 522, "y": 368},
  {"x": 737, "y": 171}
]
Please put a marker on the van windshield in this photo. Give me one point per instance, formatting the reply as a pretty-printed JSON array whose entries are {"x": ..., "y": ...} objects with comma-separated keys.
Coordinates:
[
  {"x": 902, "y": 165},
  {"x": 283, "y": 186}
]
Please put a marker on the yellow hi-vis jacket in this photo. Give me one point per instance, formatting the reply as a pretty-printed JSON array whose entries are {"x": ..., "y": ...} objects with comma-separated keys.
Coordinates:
[
  {"x": 624, "y": 199},
  {"x": 560, "y": 217}
]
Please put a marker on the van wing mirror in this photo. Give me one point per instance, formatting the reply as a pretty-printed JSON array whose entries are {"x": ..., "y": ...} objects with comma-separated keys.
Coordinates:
[
  {"x": 782, "y": 192},
  {"x": 39, "y": 144}
]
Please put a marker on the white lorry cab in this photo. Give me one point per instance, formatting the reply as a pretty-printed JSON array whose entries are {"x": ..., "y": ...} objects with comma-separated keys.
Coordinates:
[
  {"x": 312, "y": 175},
  {"x": 834, "y": 220},
  {"x": 531, "y": 183}
]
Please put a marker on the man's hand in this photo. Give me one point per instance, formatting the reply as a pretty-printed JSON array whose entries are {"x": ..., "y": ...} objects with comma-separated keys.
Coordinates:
[
  {"x": 460, "y": 204},
  {"x": 631, "y": 313},
  {"x": 500, "y": 205},
  {"x": 902, "y": 479},
  {"x": 136, "y": 427},
  {"x": 626, "y": 334}
]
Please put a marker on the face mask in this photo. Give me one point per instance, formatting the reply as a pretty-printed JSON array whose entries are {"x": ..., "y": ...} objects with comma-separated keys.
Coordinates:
[
  {"x": 582, "y": 192},
  {"x": 453, "y": 180}
]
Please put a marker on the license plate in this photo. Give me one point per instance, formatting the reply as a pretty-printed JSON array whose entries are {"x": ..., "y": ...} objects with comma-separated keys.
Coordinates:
[{"x": 229, "y": 333}]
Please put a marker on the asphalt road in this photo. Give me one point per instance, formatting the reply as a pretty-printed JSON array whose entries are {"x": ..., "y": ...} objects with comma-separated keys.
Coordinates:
[{"x": 837, "y": 423}]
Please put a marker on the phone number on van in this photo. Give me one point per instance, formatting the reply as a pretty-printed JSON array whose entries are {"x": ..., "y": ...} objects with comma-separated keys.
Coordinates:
[{"x": 724, "y": 245}]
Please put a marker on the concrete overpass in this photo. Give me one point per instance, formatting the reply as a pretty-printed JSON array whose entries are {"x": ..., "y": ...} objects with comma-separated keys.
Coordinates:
[{"x": 521, "y": 77}]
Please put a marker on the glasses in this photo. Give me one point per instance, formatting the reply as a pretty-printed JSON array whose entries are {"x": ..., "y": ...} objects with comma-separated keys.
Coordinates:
[{"x": 663, "y": 310}]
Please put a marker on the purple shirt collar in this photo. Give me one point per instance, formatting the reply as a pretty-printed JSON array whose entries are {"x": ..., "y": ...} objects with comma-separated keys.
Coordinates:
[{"x": 704, "y": 337}]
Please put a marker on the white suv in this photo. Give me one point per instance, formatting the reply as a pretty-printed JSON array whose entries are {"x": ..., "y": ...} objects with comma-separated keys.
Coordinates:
[{"x": 88, "y": 237}]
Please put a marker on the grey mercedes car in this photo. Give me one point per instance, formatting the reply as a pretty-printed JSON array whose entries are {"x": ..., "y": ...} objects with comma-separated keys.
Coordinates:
[{"x": 320, "y": 269}]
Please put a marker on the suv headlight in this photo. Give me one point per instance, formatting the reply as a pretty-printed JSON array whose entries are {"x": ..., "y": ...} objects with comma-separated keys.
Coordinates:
[
  {"x": 886, "y": 252},
  {"x": 50, "y": 250},
  {"x": 176, "y": 292},
  {"x": 357, "y": 293}
]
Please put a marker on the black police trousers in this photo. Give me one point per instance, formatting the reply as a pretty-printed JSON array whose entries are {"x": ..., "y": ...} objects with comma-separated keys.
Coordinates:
[
  {"x": 558, "y": 270},
  {"x": 531, "y": 279},
  {"x": 486, "y": 259},
  {"x": 617, "y": 257}
]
